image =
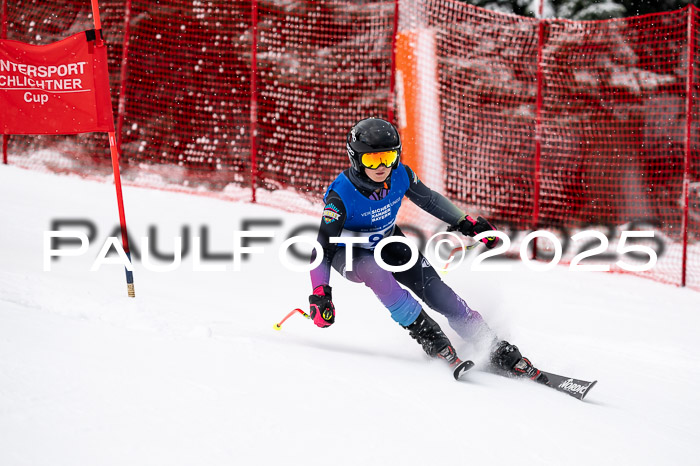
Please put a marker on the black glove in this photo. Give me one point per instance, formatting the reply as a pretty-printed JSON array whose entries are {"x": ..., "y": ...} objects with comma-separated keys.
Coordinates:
[
  {"x": 470, "y": 227},
  {"x": 322, "y": 310}
]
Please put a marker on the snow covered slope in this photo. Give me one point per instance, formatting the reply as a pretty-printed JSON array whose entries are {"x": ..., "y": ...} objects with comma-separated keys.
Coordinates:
[{"x": 191, "y": 372}]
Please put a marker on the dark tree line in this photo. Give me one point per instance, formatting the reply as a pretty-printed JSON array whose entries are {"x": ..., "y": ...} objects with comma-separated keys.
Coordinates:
[{"x": 584, "y": 9}]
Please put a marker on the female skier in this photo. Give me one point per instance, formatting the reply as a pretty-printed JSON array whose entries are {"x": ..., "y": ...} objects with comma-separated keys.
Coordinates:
[{"x": 363, "y": 201}]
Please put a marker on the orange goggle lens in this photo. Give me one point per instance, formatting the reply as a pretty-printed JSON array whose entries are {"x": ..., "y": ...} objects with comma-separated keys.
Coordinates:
[{"x": 375, "y": 159}]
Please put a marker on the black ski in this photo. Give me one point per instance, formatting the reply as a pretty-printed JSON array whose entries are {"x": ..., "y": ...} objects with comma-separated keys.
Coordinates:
[
  {"x": 461, "y": 367},
  {"x": 573, "y": 387}
]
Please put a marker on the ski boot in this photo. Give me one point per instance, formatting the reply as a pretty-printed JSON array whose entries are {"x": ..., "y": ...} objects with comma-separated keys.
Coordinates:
[
  {"x": 507, "y": 358},
  {"x": 435, "y": 343}
]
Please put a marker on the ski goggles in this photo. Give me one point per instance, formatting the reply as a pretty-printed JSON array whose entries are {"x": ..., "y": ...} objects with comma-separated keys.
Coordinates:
[{"x": 375, "y": 159}]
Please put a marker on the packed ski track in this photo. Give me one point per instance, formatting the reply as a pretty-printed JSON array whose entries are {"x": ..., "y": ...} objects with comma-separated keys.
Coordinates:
[{"x": 191, "y": 371}]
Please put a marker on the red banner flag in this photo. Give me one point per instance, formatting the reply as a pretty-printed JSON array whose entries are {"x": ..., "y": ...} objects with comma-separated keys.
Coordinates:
[{"x": 60, "y": 88}]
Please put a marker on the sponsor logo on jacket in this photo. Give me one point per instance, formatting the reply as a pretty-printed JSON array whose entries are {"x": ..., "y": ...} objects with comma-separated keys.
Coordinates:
[{"x": 330, "y": 214}]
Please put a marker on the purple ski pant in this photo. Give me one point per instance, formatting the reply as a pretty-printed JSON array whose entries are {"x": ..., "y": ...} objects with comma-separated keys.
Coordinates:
[{"x": 421, "y": 279}]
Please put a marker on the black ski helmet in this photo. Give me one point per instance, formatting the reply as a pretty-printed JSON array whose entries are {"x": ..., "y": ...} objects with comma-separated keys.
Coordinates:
[{"x": 372, "y": 135}]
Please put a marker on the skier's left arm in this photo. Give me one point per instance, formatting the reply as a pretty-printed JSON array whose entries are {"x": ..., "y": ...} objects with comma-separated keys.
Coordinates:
[
  {"x": 442, "y": 208},
  {"x": 431, "y": 201}
]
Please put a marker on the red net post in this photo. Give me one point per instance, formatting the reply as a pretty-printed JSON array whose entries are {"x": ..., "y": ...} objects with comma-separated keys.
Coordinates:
[
  {"x": 688, "y": 142},
  {"x": 693, "y": 170},
  {"x": 538, "y": 131},
  {"x": 253, "y": 98}
]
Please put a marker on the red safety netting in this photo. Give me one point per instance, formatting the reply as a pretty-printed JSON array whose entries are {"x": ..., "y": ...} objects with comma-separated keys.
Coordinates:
[
  {"x": 608, "y": 101},
  {"x": 187, "y": 90},
  {"x": 321, "y": 66},
  {"x": 556, "y": 124},
  {"x": 614, "y": 128}
]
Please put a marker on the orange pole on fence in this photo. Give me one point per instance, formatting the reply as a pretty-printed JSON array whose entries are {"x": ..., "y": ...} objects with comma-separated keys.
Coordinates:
[
  {"x": 688, "y": 125},
  {"x": 405, "y": 65},
  {"x": 115, "y": 164}
]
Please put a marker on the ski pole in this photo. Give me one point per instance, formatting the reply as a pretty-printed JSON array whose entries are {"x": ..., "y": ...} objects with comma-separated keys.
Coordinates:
[
  {"x": 455, "y": 251},
  {"x": 278, "y": 326}
]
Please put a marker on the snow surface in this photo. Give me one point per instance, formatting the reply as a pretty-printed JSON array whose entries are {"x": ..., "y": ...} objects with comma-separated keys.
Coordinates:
[{"x": 191, "y": 372}]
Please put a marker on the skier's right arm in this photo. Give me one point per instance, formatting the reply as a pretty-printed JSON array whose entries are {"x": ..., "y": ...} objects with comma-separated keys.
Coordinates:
[
  {"x": 322, "y": 310},
  {"x": 334, "y": 215}
]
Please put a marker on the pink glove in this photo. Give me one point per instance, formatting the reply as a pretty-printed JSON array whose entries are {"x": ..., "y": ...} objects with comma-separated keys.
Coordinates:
[{"x": 322, "y": 310}]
